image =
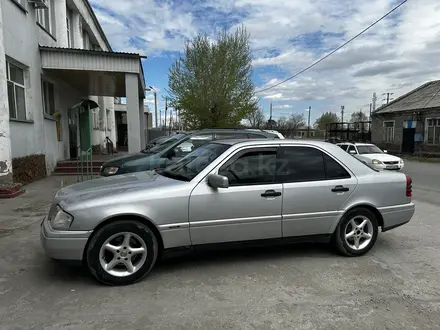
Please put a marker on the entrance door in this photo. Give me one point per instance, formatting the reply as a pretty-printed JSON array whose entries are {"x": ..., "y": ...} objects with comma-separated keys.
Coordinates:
[
  {"x": 73, "y": 133},
  {"x": 408, "y": 140}
]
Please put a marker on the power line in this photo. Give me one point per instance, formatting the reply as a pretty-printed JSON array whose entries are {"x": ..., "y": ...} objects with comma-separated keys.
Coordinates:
[{"x": 335, "y": 50}]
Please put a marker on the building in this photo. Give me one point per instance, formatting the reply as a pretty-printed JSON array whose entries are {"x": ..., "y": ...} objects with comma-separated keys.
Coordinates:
[
  {"x": 410, "y": 123},
  {"x": 54, "y": 55}
]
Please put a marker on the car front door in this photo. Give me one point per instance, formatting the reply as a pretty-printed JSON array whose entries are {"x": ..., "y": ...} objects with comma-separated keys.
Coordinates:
[
  {"x": 315, "y": 186},
  {"x": 249, "y": 209}
]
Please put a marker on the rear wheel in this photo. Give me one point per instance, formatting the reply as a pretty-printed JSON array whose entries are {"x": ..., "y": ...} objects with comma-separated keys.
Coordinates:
[
  {"x": 356, "y": 233},
  {"x": 122, "y": 252}
]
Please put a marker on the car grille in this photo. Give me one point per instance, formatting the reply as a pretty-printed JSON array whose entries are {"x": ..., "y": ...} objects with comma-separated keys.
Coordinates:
[{"x": 391, "y": 163}]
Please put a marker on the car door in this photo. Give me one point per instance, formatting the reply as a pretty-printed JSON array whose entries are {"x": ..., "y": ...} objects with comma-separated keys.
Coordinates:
[
  {"x": 249, "y": 209},
  {"x": 315, "y": 186}
]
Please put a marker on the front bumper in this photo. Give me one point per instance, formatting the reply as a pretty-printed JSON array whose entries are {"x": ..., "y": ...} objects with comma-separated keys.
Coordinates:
[
  {"x": 63, "y": 245},
  {"x": 395, "y": 216},
  {"x": 385, "y": 167}
]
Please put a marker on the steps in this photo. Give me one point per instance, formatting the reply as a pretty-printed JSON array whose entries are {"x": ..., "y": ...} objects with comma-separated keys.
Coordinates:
[
  {"x": 70, "y": 167},
  {"x": 11, "y": 190}
]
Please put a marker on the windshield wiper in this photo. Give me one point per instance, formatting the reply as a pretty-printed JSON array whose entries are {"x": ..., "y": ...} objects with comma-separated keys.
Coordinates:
[{"x": 174, "y": 175}]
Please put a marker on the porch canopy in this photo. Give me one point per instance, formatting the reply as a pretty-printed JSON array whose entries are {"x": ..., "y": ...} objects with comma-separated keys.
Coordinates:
[{"x": 101, "y": 73}]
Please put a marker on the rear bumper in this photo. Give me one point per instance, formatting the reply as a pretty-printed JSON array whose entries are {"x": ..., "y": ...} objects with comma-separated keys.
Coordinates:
[
  {"x": 63, "y": 245},
  {"x": 395, "y": 216}
]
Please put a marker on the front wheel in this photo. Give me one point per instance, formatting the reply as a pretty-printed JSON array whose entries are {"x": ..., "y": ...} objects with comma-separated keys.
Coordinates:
[
  {"x": 122, "y": 252},
  {"x": 356, "y": 233}
]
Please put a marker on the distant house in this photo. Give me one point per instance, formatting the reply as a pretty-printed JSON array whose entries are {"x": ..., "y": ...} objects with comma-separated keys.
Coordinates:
[
  {"x": 302, "y": 133},
  {"x": 410, "y": 123}
]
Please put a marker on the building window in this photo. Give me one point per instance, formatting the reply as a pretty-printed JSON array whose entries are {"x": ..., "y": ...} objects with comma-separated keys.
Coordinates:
[
  {"x": 69, "y": 39},
  {"x": 48, "y": 93},
  {"x": 95, "y": 119},
  {"x": 86, "y": 41},
  {"x": 109, "y": 120},
  {"x": 388, "y": 131},
  {"x": 433, "y": 131},
  {"x": 16, "y": 91},
  {"x": 44, "y": 16}
]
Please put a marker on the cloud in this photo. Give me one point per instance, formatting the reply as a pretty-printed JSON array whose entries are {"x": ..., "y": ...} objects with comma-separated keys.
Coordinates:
[{"x": 398, "y": 54}]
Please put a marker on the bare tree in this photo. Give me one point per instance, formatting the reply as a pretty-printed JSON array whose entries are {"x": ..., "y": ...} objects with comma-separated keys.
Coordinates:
[{"x": 256, "y": 118}]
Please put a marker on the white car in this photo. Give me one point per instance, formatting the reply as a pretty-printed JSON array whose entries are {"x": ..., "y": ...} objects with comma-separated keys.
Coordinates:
[{"x": 373, "y": 156}]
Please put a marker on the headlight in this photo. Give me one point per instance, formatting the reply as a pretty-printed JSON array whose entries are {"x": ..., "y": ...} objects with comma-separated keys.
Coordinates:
[
  {"x": 60, "y": 220},
  {"x": 376, "y": 162},
  {"x": 401, "y": 162},
  {"x": 111, "y": 170}
]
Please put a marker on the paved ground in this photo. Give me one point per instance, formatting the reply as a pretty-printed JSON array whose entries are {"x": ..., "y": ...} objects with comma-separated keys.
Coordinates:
[{"x": 395, "y": 286}]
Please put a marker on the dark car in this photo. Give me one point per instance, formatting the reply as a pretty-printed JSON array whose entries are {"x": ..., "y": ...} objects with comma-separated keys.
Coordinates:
[
  {"x": 160, "y": 156},
  {"x": 165, "y": 139}
]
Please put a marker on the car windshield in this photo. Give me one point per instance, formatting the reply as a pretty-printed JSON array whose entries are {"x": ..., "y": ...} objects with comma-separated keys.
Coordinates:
[
  {"x": 369, "y": 149},
  {"x": 192, "y": 164}
]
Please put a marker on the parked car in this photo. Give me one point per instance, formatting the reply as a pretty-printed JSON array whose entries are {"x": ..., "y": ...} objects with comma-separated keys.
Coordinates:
[
  {"x": 164, "y": 139},
  {"x": 225, "y": 192},
  {"x": 169, "y": 152},
  {"x": 373, "y": 156}
]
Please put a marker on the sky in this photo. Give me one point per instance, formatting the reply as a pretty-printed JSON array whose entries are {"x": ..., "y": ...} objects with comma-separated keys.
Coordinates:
[{"x": 398, "y": 54}]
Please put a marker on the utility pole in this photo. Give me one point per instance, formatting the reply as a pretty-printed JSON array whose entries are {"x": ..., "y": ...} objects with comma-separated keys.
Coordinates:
[
  {"x": 371, "y": 107},
  {"x": 166, "y": 109},
  {"x": 387, "y": 99},
  {"x": 270, "y": 117},
  {"x": 374, "y": 101},
  {"x": 342, "y": 113},
  {"x": 160, "y": 119},
  {"x": 308, "y": 125}
]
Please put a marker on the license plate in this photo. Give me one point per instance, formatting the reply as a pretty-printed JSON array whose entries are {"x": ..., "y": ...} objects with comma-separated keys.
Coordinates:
[{"x": 392, "y": 167}]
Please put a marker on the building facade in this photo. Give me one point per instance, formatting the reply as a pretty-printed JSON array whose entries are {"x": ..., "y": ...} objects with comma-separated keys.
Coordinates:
[
  {"x": 53, "y": 56},
  {"x": 411, "y": 123}
]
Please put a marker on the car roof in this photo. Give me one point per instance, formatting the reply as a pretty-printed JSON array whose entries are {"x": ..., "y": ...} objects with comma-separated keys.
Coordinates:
[
  {"x": 356, "y": 143},
  {"x": 245, "y": 142},
  {"x": 237, "y": 130}
]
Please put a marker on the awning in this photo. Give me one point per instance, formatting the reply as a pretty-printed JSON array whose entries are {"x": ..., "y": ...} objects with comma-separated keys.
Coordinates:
[{"x": 93, "y": 72}]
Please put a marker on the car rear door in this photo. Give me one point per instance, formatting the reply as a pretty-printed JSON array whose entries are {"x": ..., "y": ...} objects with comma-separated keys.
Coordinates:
[
  {"x": 315, "y": 186},
  {"x": 249, "y": 209}
]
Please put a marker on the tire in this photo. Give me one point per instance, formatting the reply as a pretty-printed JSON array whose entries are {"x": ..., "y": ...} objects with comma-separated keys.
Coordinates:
[
  {"x": 127, "y": 239},
  {"x": 347, "y": 247}
]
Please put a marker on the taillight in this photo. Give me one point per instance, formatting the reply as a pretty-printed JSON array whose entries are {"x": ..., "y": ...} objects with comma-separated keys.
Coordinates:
[{"x": 408, "y": 186}]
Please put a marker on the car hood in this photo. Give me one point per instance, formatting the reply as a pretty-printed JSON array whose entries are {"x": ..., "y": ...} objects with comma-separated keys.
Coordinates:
[
  {"x": 381, "y": 157},
  {"x": 114, "y": 185},
  {"x": 119, "y": 161}
]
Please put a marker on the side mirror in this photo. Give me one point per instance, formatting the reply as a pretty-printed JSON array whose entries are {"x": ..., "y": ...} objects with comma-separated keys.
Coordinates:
[
  {"x": 385, "y": 152},
  {"x": 353, "y": 152},
  {"x": 218, "y": 181}
]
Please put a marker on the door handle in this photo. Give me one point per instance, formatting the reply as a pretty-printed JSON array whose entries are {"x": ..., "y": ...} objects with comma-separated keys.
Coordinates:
[
  {"x": 340, "y": 189},
  {"x": 271, "y": 193}
]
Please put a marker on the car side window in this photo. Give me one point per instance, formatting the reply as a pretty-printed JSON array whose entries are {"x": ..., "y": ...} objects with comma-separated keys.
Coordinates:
[
  {"x": 191, "y": 144},
  {"x": 343, "y": 146},
  {"x": 300, "y": 164},
  {"x": 334, "y": 170},
  {"x": 251, "y": 167},
  {"x": 351, "y": 148}
]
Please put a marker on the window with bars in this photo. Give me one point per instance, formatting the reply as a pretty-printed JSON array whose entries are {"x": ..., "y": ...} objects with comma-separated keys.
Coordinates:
[
  {"x": 44, "y": 17},
  {"x": 16, "y": 91},
  {"x": 432, "y": 131},
  {"x": 48, "y": 94},
  {"x": 388, "y": 131}
]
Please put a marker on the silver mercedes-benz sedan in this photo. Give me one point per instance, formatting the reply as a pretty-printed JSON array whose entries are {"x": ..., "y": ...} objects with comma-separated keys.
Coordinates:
[{"x": 253, "y": 191}]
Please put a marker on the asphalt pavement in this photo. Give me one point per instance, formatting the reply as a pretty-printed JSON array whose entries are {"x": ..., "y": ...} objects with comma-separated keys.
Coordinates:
[{"x": 395, "y": 286}]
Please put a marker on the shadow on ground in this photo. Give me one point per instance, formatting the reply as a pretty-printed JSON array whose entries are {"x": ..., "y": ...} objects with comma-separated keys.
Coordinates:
[{"x": 57, "y": 271}]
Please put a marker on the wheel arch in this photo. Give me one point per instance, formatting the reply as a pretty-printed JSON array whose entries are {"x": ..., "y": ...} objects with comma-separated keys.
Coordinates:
[
  {"x": 134, "y": 217},
  {"x": 367, "y": 206}
]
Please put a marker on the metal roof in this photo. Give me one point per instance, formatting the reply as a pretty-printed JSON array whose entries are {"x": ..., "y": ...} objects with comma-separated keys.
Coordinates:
[
  {"x": 90, "y": 51},
  {"x": 424, "y": 97}
]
